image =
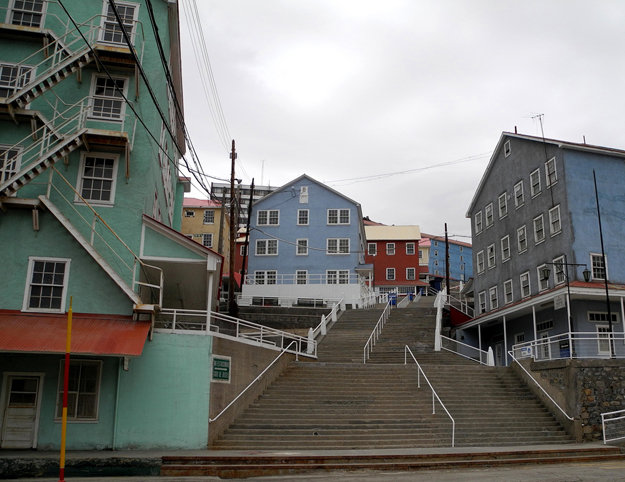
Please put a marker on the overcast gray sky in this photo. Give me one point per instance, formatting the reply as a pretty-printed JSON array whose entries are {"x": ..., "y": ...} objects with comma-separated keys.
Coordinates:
[{"x": 352, "y": 91}]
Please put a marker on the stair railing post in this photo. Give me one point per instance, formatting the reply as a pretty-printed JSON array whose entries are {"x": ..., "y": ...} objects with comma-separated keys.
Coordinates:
[
  {"x": 433, "y": 404},
  {"x": 334, "y": 312},
  {"x": 311, "y": 339},
  {"x": 323, "y": 325}
]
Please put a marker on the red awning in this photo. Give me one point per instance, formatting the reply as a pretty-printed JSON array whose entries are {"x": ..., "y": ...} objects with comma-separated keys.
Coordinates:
[{"x": 91, "y": 334}]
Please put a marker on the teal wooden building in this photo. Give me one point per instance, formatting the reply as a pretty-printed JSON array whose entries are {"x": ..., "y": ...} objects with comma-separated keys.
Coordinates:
[{"x": 90, "y": 198}]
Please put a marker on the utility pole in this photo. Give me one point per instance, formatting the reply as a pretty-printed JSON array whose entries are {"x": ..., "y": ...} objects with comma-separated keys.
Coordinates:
[
  {"x": 222, "y": 221},
  {"x": 247, "y": 231},
  {"x": 233, "y": 309}
]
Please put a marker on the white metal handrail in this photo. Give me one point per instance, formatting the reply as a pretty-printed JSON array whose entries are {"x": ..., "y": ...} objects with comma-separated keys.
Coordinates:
[
  {"x": 224, "y": 326},
  {"x": 292, "y": 279},
  {"x": 482, "y": 356},
  {"x": 540, "y": 386},
  {"x": 434, "y": 394},
  {"x": 375, "y": 334},
  {"x": 462, "y": 305},
  {"x": 616, "y": 417},
  {"x": 573, "y": 345},
  {"x": 322, "y": 326},
  {"x": 284, "y": 350},
  {"x": 404, "y": 302}
]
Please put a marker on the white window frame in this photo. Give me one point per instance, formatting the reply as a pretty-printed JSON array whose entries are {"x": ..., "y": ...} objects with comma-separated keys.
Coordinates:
[
  {"x": 526, "y": 290},
  {"x": 481, "y": 301},
  {"x": 71, "y": 417},
  {"x": 81, "y": 178},
  {"x": 336, "y": 216},
  {"x": 478, "y": 222},
  {"x": 502, "y": 202},
  {"x": 411, "y": 274},
  {"x": 209, "y": 237},
  {"x": 559, "y": 275},
  {"x": 372, "y": 249},
  {"x": 507, "y": 149},
  {"x": 390, "y": 274},
  {"x": 521, "y": 241},
  {"x": 106, "y": 20},
  {"x": 301, "y": 277},
  {"x": 265, "y": 277},
  {"x": 535, "y": 184},
  {"x": 390, "y": 249},
  {"x": 519, "y": 195},
  {"x": 269, "y": 215},
  {"x": 205, "y": 215},
  {"x": 114, "y": 98},
  {"x": 508, "y": 291},
  {"x": 264, "y": 246},
  {"x": 489, "y": 215},
  {"x": 594, "y": 265},
  {"x": 301, "y": 247},
  {"x": 337, "y": 246},
  {"x": 189, "y": 213},
  {"x": 479, "y": 261},
  {"x": 603, "y": 339},
  {"x": 243, "y": 250},
  {"x": 538, "y": 238},
  {"x": 23, "y": 75},
  {"x": 410, "y": 249},
  {"x": 505, "y": 248},
  {"x": 30, "y": 283},
  {"x": 301, "y": 214},
  {"x": 9, "y": 166},
  {"x": 493, "y": 298},
  {"x": 491, "y": 256},
  {"x": 543, "y": 284},
  {"x": 555, "y": 221},
  {"x": 12, "y": 10},
  {"x": 551, "y": 176},
  {"x": 337, "y": 276}
]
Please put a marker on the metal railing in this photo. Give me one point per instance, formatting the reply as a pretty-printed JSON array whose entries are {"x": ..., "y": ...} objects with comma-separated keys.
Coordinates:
[
  {"x": 404, "y": 302},
  {"x": 375, "y": 334},
  {"x": 462, "y": 349},
  {"x": 434, "y": 394},
  {"x": 224, "y": 326},
  {"x": 462, "y": 305},
  {"x": 321, "y": 328},
  {"x": 539, "y": 386},
  {"x": 284, "y": 350},
  {"x": 293, "y": 279},
  {"x": 616, "y": 421},
  {"x": 573, "y": 345}
]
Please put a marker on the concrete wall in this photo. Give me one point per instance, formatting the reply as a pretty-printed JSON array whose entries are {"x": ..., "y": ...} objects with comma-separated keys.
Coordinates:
[{"x": 247, "y": 362}]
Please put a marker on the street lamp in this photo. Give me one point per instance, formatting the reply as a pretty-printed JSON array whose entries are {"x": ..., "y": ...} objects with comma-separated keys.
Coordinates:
[{"x": 564, "y": 266}]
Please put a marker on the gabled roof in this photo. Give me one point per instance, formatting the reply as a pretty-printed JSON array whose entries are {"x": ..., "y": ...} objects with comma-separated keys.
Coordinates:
[
  {"x": 442, "y": 238},
  {"x": 555, "y": 142},
  {"x": 192, "y": 202},
  {"x": 395, "y": 233}
]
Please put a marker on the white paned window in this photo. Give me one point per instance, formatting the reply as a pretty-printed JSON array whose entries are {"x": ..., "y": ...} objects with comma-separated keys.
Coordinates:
[
  {"x": 551, "y": 174},
  {"x": 303, "y": 194},
  {"x": 390, "y": 274},
  {"x": 188, "y": 213},
  {"x": 488, "y": 214},
  {"x": 83, "y": 390},
  {"x": 338, "y": 216},
  {"x": 340, "y": 276},
  {"x": 506, "y": 149},
  {"x": 478, "y": 222},
  {"x": 524, "y": 280},
  {"x": 243, "y": 250},
  {"x": 302, "y": 247},
  {"x": 107, "y": 98},
  {"x": 555, "y": 226},
  {"x": 603, "y": 339},
  {"x": 490, "y": 255},
  {"x": 337, "y": 246},
  {"x": 480, "y": 261},
  {"x": 519, "y": 196},
  {"x": 266, "y": 247},
  {"x": 411, "y": 274},
  {"x": 410, "y": 249},
  {"x": 268, "y": 217},
  {"x": 503, "y": 205},
  {"x": 535, "y": 187},
  {"x": 302, "y": 217},
  {"x": 492, "y": 295},
  {"x": 390, "y": 249},
  {"x": 598, "y": 268},
  {"x": 209, "y": 216},
  {"x": 10, "y": 160},
  {"x": 521, "y": 235},
  {"x": 28, "y": 13},
  {"x": 301, "y": 277},
  {"x": 207, "y": 240},
  {"x": 47, "y": 285},
  {"x": 543, "y": 283},
  {"x": 265, "y": 277},
  {"x": 110, "y": 31},
  {"x": 372, "y": 249},
  {"x": 559, "y": 275},
  {"x": 507, "y": 291},
  {"x": 505, "y": 248},
  {"x": 98, "y": 175},
  {"x": 539, "y": 229},
  {"x": 482, "y": 301},
  {"x": 13, "y": 78}
]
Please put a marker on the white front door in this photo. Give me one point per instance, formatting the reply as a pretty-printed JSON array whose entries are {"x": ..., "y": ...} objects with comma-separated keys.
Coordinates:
[{"x": 21, "y": 411}]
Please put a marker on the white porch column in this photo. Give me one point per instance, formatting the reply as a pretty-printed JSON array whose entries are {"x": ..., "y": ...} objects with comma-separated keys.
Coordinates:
[
  {"x": 479, "y": 336},
  {"x": 209, "y": 298},
  {"x": 534, "y": 322},
  {"x": 505, "y": 342}
]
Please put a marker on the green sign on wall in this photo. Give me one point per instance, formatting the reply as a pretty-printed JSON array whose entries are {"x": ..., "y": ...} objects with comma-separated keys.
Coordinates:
[{"x": 220, "y": 369}]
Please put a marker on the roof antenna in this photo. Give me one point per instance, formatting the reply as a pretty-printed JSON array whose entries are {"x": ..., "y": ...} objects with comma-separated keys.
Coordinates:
[
  {"x": 584, "y": 139},
  {"x": 540, "y": 119}
]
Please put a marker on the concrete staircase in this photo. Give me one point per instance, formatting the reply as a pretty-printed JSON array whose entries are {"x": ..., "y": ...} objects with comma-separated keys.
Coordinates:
[{"x": 340, "y": 403}]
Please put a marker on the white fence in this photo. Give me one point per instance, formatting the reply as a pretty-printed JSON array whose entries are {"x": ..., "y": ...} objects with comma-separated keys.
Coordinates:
[
  {"x": 573, "y": 345},
  {"x": 613, "y": 424}
]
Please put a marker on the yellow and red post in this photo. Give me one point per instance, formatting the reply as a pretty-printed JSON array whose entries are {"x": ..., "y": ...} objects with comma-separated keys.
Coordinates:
[{"x": 68, "y": 345}]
